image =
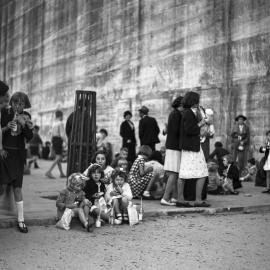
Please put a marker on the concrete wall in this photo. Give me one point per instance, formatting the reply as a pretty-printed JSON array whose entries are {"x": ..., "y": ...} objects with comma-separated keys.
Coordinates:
[{"x": 134, "y": 52}]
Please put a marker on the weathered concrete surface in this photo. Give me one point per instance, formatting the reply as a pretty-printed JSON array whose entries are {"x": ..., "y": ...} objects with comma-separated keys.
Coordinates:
[{"x": 135, "y": 52}]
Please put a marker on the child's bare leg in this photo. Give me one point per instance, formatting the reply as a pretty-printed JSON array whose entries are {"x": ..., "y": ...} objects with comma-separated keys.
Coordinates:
[
  {"x": 116, "y": 207},
  {"x": 151, "y": 182},
  {"x": 124, "y": 204},
  {"x": 59, "y": 164},
  {"x": 82, "y": 217}
]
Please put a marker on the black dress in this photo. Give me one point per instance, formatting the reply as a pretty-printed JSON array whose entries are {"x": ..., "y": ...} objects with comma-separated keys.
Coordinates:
[
  {"x": 127, "y": 132},
  {"x": 13, "y": 165}
]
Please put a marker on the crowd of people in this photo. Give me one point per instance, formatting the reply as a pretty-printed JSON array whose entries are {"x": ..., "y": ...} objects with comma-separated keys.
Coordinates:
[{"x": 180, "y": 174}]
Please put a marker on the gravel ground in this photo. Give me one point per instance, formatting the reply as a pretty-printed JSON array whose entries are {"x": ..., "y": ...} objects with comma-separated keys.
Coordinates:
[{"x": 183, "y": 242}]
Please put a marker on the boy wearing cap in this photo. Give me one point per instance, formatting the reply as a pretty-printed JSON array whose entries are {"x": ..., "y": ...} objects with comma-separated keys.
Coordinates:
[{"x": 148, "y": 129}]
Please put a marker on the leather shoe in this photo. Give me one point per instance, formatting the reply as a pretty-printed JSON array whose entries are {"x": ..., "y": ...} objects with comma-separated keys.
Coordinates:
[{"x": 22, "y": 228}]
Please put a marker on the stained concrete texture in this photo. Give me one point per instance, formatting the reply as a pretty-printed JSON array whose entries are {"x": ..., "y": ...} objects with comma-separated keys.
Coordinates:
[{"x": 140, "y": 52}]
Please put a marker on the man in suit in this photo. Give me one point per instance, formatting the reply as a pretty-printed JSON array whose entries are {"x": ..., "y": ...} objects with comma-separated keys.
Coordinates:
[{"x": 148, "y": 129}]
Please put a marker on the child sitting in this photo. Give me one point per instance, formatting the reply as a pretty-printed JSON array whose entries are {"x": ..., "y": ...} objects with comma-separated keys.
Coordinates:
[
  {"x": 119, "y": 195},
  {"x": 73, "y": 198},
  {"x": 214, "y": 181},
  {"x": 230, "y": 176},
  {"x": 251, "y": 171},
  {"x": 139, "y": 176},
  {"x": 95, "y": 191},
  {"x": 122, "y": 155},
  {"x": 122, "y": 164},
  {"x": 157, "y": 184}
]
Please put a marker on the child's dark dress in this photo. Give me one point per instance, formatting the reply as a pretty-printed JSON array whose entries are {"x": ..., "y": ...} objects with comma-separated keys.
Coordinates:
[
  {"x": 13, "y": 165},
  {"x": 91, "y": 188}
]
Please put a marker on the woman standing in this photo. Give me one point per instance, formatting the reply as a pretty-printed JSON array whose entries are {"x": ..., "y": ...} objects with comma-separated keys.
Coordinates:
[
  {"x": 266, "y": 167},
  {"x": 172, "y": 156},
  {"x": 127, "y": 132},
  {"x": 192, "y": 165},
  {"x": 58, "y": 138},
  {"x": 240, "y": 136}
]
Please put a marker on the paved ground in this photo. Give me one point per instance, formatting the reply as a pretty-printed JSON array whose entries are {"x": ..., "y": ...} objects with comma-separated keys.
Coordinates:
[
  {"x": 238, "y": 242},
  {"x": 41, "y": 210}
]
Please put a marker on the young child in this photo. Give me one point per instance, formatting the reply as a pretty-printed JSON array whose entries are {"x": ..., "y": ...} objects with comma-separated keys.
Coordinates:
[
  {"x": 35, "y": 147},
  {"x": 16, "y": 128},
  {"x": 251, "y": 171},
  {"x": 139, "y": 176},
  {"x": 157, "y": 184},
  {"x": 230, "y": 176},
  {"x": 214, "y": 180},
  {"x": 218, "y": 153},
  {"x": 94, "y": 191},
  {"x": 73, "y": 198},
  {"x": 119, "y": 195},
  {"x": 46, "y": 150},
  {"x": 122, "y": 155},
  {"x": 122, "y": 164}
]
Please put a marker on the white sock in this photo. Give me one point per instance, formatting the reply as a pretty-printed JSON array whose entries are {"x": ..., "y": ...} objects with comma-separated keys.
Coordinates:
[{"x": 20, "y": 211}]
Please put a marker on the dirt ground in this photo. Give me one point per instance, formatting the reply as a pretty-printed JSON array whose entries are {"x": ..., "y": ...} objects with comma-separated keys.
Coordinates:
[{"x": 183, "y": 242}]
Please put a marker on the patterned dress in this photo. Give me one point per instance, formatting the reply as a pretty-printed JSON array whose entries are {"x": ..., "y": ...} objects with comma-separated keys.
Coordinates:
[{"x": 138, "y": 183}]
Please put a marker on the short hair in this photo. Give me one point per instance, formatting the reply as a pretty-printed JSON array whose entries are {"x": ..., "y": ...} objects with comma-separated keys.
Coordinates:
[
  {"x": 157, "y": 156},
  {"x": 58, "y": 114},
  {"x": 95, "y": 167},
  {"x": 127, "y": 113},
  {"x": 267, "y": 132},
  {"x": 36, "y": 127},
  {"x": 218, "y": 144},
  {"x": 190, "y": 98},
  {"x": 145, "y": 150},
  {"x": 124, "y": 149},
  {"x": 177, "y": 102},
  {"x": 229, "y": 157},
  {"x": 252, "y": 161},
  {"x": 102, "y": 152},
  {"x": 103, "y": 130},
  {"x": 17, "y": 96},
  {"x": 118, "y": 172},
  {"x": 122, "y": 159}
]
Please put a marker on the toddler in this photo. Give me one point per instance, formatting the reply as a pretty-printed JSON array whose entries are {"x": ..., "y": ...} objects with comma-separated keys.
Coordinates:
[
  {"x": 251, "y": 171},
  {"x": 73, "y": 197},
  {"x": 119, "y": 195}
]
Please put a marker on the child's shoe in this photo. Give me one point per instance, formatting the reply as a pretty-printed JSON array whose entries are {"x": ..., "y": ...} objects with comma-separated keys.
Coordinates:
[
  {"x": 146, "y": 194},
  {"x": 118, "y": 220},
  {"x": 125, "y": 218}
]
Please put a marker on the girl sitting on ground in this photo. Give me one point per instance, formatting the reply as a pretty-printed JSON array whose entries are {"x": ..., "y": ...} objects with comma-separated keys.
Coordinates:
[
  {"x": 157, "y": 184},
  {"x": 119, "y": 195},
  {"x": 74, "y": 198},
  {"x": 101, "y": 159},
  {"x": 251, "y": 172},
  {"x": 230, "y": 176},
  {"x": 139, "y": 176},
  {"x": 95, "y": 191}
]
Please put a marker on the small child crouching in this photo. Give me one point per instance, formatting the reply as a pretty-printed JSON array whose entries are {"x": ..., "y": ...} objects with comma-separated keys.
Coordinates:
[
  {"x": 250, "y": 176},
  {"x": 94, "y": 191},
  {"x": 214, "y": 180},
  {"x": 73, "y": 198},
  {"x": 119, "y": 195}
]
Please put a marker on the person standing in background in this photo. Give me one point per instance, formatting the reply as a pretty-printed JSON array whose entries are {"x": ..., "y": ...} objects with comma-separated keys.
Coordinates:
[
  {"x": 127, "y": 132},
  {"x": 35, "y": 145},
  {"x": 240, "y": 137},
  {"x": 173, "y": 154},
  {"x": 148, "y": 129},
  {"x": 58, "y": 138}
]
